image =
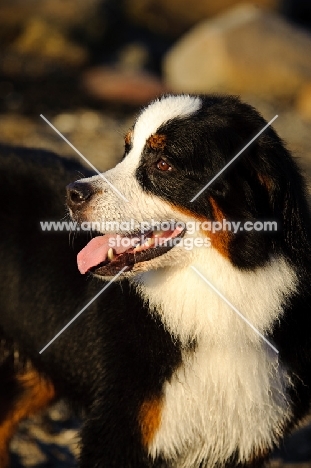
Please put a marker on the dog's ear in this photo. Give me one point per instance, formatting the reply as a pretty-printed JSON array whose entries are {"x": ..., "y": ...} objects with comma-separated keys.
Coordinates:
[{"x": 280, "y": 177}]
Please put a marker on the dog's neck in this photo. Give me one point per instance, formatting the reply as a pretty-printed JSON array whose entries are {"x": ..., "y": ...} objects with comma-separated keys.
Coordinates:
[{"x": 190, "y": 309}]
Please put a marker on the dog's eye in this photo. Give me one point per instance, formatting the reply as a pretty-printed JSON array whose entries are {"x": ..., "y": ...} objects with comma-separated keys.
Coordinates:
[{"x": 163, "y": 165}]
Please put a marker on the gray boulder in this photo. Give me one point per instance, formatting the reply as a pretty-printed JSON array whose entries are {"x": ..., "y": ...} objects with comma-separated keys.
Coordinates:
[{"x": 245, "y": 51}]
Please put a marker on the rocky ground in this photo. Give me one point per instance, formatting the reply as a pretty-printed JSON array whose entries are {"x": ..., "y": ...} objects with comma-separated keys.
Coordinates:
[{"x": 51, "y": 441}]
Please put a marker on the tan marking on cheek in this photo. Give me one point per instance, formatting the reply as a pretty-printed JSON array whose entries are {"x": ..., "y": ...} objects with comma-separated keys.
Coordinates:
[
  {"x": 220, "y": 239},
  {"x": 156, "y": 141},
  {"x": 149, "y": 419}
]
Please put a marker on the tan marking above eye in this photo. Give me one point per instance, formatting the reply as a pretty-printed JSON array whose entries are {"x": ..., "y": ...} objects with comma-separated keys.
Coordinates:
[
  {"x": 128, "y": 137},
  {"x": 163, "y": 166},
  {"x": 156, "y": 141}
]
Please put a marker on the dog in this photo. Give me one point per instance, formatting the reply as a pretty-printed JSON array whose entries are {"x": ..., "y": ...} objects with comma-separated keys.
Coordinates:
[{"x": 197, "y": 352}]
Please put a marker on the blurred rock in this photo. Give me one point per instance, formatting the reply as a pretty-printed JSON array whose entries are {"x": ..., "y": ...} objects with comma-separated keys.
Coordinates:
[
  {"x": 304, "y": 102},
  {"x": 47, "y": 440},
  {"x": 133, "y": 56},
  {"x": 39, "y": 39},
  {"x": 174, "y": 17},
  {"x": 245, "y": 51},
  {"x": 62, "y": 13},
  {"x": 296, "y": 447},
  {"x": 124, "y": 86}
]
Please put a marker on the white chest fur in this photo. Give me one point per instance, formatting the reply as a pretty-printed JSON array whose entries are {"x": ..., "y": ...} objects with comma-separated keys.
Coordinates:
[
  {"x": 230, "y": 394},
  {"x": 221, "y": 401}
]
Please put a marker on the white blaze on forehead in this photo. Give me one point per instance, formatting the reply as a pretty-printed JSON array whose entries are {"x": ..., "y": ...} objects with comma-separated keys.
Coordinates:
[
  {"x": 159, "y": 112},
  {"x": 156, "y": 114},
  {"x": 123, "y": 175}
]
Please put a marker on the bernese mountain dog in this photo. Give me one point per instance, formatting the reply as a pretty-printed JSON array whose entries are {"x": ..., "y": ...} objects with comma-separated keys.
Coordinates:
[{"x": 198, "y": 352}]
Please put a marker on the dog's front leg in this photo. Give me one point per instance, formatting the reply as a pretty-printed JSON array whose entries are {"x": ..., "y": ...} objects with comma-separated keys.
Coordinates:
[{"x": 109, "y": 439}]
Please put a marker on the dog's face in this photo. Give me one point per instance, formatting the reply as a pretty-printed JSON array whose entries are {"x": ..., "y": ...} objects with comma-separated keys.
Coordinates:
[{"x": 177, "y": 145}]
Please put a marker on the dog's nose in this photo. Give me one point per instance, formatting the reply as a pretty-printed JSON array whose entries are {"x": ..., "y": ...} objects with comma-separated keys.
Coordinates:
[{"x": 78, "y": 193}]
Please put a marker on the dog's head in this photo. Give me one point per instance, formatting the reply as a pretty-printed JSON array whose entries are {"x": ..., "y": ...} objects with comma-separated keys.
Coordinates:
[{"x": 144, "y": 206}]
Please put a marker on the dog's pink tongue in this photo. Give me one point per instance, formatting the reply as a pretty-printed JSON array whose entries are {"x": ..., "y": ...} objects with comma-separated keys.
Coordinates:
[{"x": 95, "y": 252}]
